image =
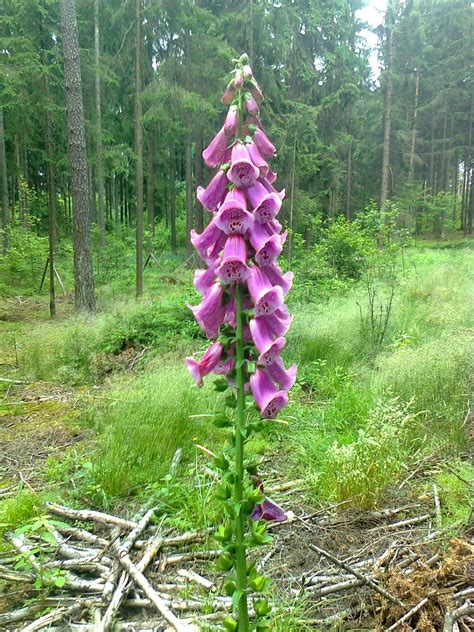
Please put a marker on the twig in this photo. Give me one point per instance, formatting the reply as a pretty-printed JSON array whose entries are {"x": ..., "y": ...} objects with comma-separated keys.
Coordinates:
[
  {"x": 404, "y": 523},
  {"x": 52, "y": 617},
  {"x": 408, "y": 615},
  {"x": 357, "y": 574},
  {"x": 437, "y": 504},
  {"x": 195, "y": 577},
  {"x": 186, "y": 557}
]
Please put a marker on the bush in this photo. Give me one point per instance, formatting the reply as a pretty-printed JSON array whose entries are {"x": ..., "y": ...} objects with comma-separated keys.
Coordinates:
[{"x": 346, "y": 248}]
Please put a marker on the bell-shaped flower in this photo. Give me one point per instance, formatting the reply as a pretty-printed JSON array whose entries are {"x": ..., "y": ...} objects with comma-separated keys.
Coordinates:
[
  {"x": 266, "y": 298},
  {"x": 210, "y": 312},
  {"x": 251, "y": 104},
  {"x": 243, "y": 173},
  {"x": 206, "y": 364},
  {"x": 233, "y": 217},
  {"x": 267, "y": 397},
  {"x": 256, "y": 92},
  {"x": 268, "y": 347},
  {"x": 247, "y": 72},
  {"x": 279, "y": 321},
  {"x": 265, "y": 205},
  {"x": 211, "y": 196},
  {"x": 257, "y": 159},
  {"x": 285, "y": 378},
  {"x": 216, "y": 249},
  {"x": 215, "y": 151},
  {"x": 276, "y": 277},
  {"x": 207, "y": 239},
  {"x": 267, "y": 247},
  {"x": 231, "y": 120},
  {"x": 271, "y": 176},
  {"x": 238, "y": 78},
  {"x": 204, "y": 279},
  {"x": 263, "y": 142},
  {"x": 229, "y": 93},
  {"x": 268, "y": 511},
  {"x": 224, "y": 367},
  {"x": 233, "y": 267},
  {"x": 271, "y": 189}
]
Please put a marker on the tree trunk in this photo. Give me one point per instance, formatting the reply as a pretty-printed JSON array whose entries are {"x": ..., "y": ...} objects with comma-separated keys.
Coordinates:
[
  {"x": 199, "y": 171},
  {"x": 432, "y": 152},
  {"x": 411, "y": 173},
  {"x": 98, "y": 123},
  {"x": 4, "y": 183},
  {"x": 83, "y": 275},
  {"x": 387, "y": 109},
  {"x": 189, "y": 193},
  {"x": 349, "y": 182},
  {"x": 150, "y": 192},
  {"x": 172, "y": 189},
  {"x": 51, "y": 211},
  {"x": 139, "y": 151}
]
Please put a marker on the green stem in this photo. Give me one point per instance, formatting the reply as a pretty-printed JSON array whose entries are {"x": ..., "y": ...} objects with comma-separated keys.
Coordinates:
[{"x": 240, "y": 561}]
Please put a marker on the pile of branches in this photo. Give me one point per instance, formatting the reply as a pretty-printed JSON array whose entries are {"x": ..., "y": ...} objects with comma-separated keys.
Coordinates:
[{"x": 104, "y": 575}]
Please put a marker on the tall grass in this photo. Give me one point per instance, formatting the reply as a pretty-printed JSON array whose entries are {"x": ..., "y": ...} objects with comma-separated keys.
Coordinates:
[
  {"x": 143, "y": 424},
  {"x": 347, "y": 431}
]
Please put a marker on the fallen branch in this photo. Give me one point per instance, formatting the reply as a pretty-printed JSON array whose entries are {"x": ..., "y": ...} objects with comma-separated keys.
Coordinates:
[
  {"x": 186, "y": 557},
  {"x": 451, "y": 617},
  {"x": 122, "y": 587},
  {"x": 408, "y": 615},
  {"x": 360, "y": 576},
  {"x": 149, "y": 591},
  {"x": 196, "y": 578},
  {"x": 89, "y": 514},
  {"x": 52, "y": 617}
]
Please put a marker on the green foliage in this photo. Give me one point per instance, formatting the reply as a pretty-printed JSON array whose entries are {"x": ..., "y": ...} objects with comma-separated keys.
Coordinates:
[
  {"x": 21, "y": 267},
  {"x": 455, "y": 486},
  {"x": 346, "y": 248},
  {"x": 19, "y": 509}
]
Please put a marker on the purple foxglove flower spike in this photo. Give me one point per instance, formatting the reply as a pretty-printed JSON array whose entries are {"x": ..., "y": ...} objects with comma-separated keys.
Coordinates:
[
  {"x": 206, "y": 364},
  {"x": 269, "y": 400},
  {"x": 251, "y": 104},
  {"x": 243, "y": 173},
  {"x": 205, "y": 279},
  {"x": 257, "y": 159},
  {"x": 233, "y": 217},
  {"x": 268, "y": 347},
  {"x": 231, "y": 121},
  {"x": 269, "y": 511},
  {"x": 212, "y": 195},
  {"x": 263, "y": 142},
  {"x": 207, "y": 239},
  {"x": 215, "y": 151},
  {"x": 210, "y": 312},
  {"x": 265, "y": 205},
  {"x": 285, "y": 378},
  {"x": 233, "y": 268},
  {"x": 276, "y": 277},
  {"x": 266, "y": 298}
]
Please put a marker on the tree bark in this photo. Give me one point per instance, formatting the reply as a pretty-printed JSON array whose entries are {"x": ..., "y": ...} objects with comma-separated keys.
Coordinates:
[
  {"x": 139, "y": 150},
  {"x": 199, "y": 171},
  {"x": 98, "y": 123},
  {"x": 150, "y": 192},
  {"x": 3, "y": 169},
  {"x": 83, "y": 276},
  {"x": 51, "y": 210},
  {"x": 189, "y": 193},
  {"x": 387, "y": 110},
  {"x": 349, "y": 182},
  {"x": 411, "y": 173},
  {"x": 172, "y": 189}
]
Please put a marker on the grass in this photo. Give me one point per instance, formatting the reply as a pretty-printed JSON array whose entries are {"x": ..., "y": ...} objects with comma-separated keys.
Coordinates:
[{"x": 361, "y": 413}]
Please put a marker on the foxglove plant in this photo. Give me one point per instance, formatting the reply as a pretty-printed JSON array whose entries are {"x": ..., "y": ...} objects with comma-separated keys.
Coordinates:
[{"x": 243, "y": 312}]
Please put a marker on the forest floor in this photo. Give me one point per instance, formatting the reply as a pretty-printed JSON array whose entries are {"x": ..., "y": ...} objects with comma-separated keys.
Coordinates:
[{"x": 375, "y": 468}]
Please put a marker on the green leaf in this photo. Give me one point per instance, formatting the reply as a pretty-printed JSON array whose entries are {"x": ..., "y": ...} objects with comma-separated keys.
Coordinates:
[
  {"x": 236, "y": 597},
  {"x": 225, "y": 563},
  {"x": 229, "y": 623},
  {"x": 59, "y": 581},
  {"x": 261, "y": 607}
]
